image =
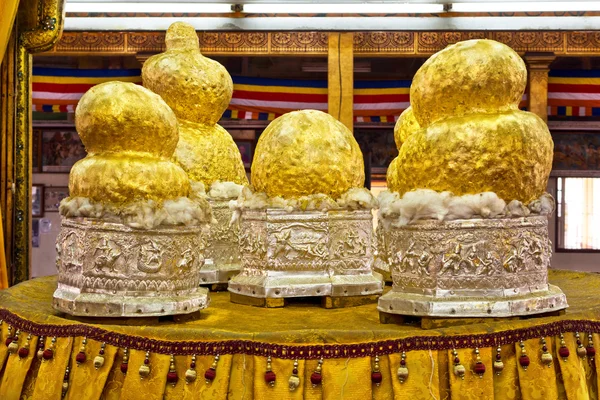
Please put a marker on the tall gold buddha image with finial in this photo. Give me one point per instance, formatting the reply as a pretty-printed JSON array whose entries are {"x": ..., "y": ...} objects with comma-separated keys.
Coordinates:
[
  {"x": 463, "y": 228},
  {"x": 131, "y": 217},
  {"x": 464, "y": 131},
  {"x": 199, "y": 90}
]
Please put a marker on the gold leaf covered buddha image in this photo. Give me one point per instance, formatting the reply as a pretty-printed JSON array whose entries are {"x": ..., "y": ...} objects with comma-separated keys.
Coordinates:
[
  {"x": 199, "y": 90},
  {"x": 130, "y": 242},
  {"x": 464, "y": 225},
  {"x": 306, "y": 226}
]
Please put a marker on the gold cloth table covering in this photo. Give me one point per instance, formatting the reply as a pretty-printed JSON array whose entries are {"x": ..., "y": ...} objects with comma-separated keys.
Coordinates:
[{"x": 346, "y": 341}]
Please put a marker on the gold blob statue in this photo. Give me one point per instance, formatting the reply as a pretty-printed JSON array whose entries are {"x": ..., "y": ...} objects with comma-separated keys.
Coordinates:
[
  {"x": 405, "y": 126},
  {"x": 392, "y": 176},
  {"x": 198, "y": 90},
  {"x": 307, "y": 152},
  {"x": 474, "y": 76},
  {"x": 473, "y": 137},
  {"x": 130, "y": 134}
]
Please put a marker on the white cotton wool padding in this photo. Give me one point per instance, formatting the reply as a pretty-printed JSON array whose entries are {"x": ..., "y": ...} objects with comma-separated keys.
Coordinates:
[
  {"x": 142, "y": 214},
  {"x": 486, "y": 205},
  {"x": 516, "y": 209},
  {"x": 428, "y": 204},
  {"x": 355, "y": 198},
  {"x": 423, "y": 204},
  {"x": 225, "y": 190},
  {"x": 197, "y": 189}
]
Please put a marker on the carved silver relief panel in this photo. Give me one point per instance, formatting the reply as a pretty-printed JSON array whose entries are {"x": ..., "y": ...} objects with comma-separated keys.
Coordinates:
[
  {"x": 223, "y": 242},
  {"x": 471, "y": 268},
  {"x": 336, "y": 241},
  {"x": 110, "y": 258},
  {"x": 469, "y": 255}
]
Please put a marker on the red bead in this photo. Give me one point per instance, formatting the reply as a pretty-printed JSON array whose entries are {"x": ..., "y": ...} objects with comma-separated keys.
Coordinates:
[
  {"x": 47, "y": 354},
  {"x": 23, "y": 352},
  {"x": 124, "y": 368},
  {"x": 295, "y": 371},
  {"x": 578, "y": 342},
  {"x": 456, "y": 360},
  {"x": 402, "y": 362},
  {"x": 8, "y": 341},
  {"x": 591, "y": 351},
  {"x": 524, "y": 361},
  {"x": 316, "y": 378},
  {"x": 479, "y": 368},
  {"x": 101, "y": 352},
  {"x": 498, "y": 357},
  {"x": 146, "y": 361},
  {"x": 193, "y": 365},
  {"x": 210, "y": 374},
  {"x": 544, "y": 348},
  {"x": 80, "y": 357},
  {"x": 564, "y": 352},
  {"x": 172, "y": 377},
  {"x": 270, "y": 377},
  {"x": 376, "y": 377}
]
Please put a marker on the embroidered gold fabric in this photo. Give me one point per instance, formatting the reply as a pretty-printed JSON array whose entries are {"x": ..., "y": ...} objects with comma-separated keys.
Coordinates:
[{"x": 241, "y": 376}]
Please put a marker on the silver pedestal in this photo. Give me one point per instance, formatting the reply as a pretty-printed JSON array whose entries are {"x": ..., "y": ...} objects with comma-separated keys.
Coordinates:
[
  {"x": 471, "y": 268},
  {"x": 111, "y": 270},
  {"x": 306, "y": 253}
]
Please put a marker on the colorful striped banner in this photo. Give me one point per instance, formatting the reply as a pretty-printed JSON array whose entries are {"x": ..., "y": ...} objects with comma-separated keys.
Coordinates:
[
  {"x": 574, "y": 93},
  {"x": 64, "y": 87},
  {"x": 57, "y": 90}
]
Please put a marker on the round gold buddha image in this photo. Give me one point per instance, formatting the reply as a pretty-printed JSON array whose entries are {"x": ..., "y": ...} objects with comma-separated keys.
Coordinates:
[{"x": 307, "y": 152}]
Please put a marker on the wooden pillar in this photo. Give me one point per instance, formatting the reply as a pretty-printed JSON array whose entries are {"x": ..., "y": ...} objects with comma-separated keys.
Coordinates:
[
  {"x": 340, "y": 79},
  {"x": 538, "y": 65}
]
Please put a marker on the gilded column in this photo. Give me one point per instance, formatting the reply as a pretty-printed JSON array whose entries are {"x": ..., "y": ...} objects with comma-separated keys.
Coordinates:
[
  {"x": 340, "y": 77},
  {"x": 7, "y": 122},
  {"x": 39, "y": 26},
  {"x": 538, "y": 65}
]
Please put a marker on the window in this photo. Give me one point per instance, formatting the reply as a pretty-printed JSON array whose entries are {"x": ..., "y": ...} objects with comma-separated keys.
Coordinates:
[{"x": 578, "y": 214}]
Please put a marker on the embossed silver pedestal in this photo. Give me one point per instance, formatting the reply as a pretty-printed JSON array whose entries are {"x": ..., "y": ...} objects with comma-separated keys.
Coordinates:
[
  {"x": 381, "y": 263},
  {"x": 471, "y": 268},
  {"x": 222, "y": 254},
  {"x": 306, "y": 254},
  {"x": 111, "y": 270}
]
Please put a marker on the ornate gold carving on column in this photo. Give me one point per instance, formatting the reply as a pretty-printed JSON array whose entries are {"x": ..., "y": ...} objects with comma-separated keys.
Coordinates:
[
  {"x": 538, "y": 65},
  {"x": 366, "y": 44},
  {"x": 432, "y": 42},
  {"x": 371, "y": 43},
  {"x": 7, "y": 122},
  {"x": 340, "y": 78},
  {"x": 41, "y": 37}
]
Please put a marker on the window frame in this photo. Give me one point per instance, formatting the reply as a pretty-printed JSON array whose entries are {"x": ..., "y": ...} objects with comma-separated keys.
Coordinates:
[{"x": 559, "y": 221}]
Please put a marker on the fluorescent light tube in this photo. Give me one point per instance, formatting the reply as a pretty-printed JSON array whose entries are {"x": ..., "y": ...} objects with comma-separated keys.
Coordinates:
[
  {"x": 109, "y": 7},
  {"x": 342, "y": 8},
  {"x": 526, "y": 6}
]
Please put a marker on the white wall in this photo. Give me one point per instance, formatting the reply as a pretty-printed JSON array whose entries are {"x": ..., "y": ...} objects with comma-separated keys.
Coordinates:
[
  {"x": 571, "y": 261},
  {"x": 43, "y": 258}
]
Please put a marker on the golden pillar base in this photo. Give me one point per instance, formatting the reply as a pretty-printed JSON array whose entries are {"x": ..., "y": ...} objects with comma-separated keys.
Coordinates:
[
  {"x": 471, "y": 268},
  {"x": 111, "y": 270},
  {"x": 305, "y": 254}
]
